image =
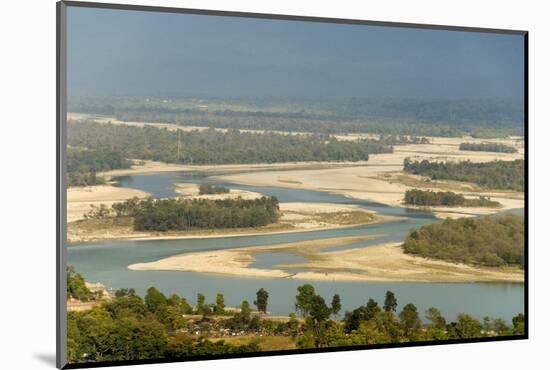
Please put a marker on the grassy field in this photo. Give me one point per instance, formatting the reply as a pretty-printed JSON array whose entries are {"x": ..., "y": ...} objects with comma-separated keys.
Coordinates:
[{"x": 266, "y": 343}]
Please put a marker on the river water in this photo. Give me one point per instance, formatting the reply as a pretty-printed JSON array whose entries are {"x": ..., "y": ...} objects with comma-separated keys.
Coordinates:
[{"x": 107, "y": 261}]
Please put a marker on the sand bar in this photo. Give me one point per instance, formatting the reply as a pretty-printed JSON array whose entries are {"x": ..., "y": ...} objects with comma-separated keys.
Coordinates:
[
  {"x": 81, "y": 199},
  {"x": 295, "y": 217},
  {"x": 191, "y": 191},
  {"x": 385, "y": 262},
  {"x": 382, "y": 180}
]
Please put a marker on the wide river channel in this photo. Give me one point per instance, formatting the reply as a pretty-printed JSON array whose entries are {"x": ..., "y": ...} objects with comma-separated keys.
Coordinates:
[{"x": 107, "y": 261}]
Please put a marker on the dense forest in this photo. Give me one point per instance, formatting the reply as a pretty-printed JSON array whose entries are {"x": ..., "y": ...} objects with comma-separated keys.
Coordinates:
[
  {"x": 83, "y": 165},
  {"x": 505, "y": 175},
  {"x": 128, "y": 327},
  {"x": 186, "y": 214},
  {"x": 214, "y": 147},
  {"x": 429, "y": 117},
  {"x": 487, "y": 147},
  {"x": 445, "y": 198},
  {"x": 487, "y": 241}
]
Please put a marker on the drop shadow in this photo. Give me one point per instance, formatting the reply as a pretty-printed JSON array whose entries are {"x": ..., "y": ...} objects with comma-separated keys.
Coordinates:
[{"x": 47, "y": 358}]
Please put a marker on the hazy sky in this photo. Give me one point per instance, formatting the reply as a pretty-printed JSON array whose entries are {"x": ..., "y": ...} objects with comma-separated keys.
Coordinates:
[{"x": 121, "y": 52}]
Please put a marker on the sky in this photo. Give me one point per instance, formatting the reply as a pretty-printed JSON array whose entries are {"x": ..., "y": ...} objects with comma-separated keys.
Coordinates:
[{"x": 123, "y": 52}]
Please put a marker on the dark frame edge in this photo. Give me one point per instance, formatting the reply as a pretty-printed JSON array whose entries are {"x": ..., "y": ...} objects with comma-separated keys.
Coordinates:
[
  {"x": 61, "y": 100},
  {"x": 286, "y": 17},
  {"x": 526, "y": 175},
  {"x": 295, "y": 352}
]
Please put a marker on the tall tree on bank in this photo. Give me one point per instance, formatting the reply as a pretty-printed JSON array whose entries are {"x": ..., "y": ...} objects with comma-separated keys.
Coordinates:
[
  {"x": 245, "y": 310},
  {"x": 219, "y": 308},
  {"x": 336, "y": 304},
  {"x": 154, "y": 299},
  {"x": 202, "y": 307},
  {"x": 261, "y": 300},
  {"x": 410, "y": 319},
  {"x": 318, "y": 315},
  {"x": 304, "y": 299},
  {"x": 390, "y": 302}
]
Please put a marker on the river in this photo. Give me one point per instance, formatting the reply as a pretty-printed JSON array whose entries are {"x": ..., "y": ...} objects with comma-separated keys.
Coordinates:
[{"x": 107, "y": 261}]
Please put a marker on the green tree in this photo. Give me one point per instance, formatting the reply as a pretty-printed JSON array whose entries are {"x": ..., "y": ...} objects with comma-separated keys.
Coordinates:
[
  {"x": 219, "y": 308},
  {"x": 154, "y": 300},
  {"x": 180, "y": 303},
  {"x": 261, "y": 300},
  {"x": 304, "y": 299},
  {"x": 316, "y": 321},
  {"x": 381, "y": 328},
  {"x": 124, "y": 292},
  {"x": 465, "y": 327},
  {"x": 353, "y": 320},
  {"x": 436, "y": 319},
  {"x": 495, "y": 327},
  {"x": 76, "y": 286},
  {"x": 437, "y": 328},
  {"x": 372, "y": 309},
  {"x": 390, "y": 302},
  {"x": 245, "y": 310},
  {"x": 410, "y": 319},
  {"x": 202, "y": 307},
  {"x": 293, "y": 325},
  {"x": 336, "y": 304},
  {"x": 518, "y": 323},
  {"x": 319, "y": 311}
]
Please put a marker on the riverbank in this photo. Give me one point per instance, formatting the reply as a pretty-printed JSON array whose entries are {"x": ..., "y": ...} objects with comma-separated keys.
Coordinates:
[
  {"x": 192, "y": 191},
  {"x": 142, "y": 167},
  {"x": 380, "y": 263},
  {"x": 382, "y": 179},
  {"x": 81, "y": 200},
  {"x": 295, "y": 217}
]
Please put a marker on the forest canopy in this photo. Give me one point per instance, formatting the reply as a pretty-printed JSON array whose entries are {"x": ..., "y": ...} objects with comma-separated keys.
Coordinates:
[
  {"x": 429, "y": 117},
  {"x": 505, "y": 175},
  {"x": 488, "y": 241},
  {"x": 215, "y": 147},
  {"x": 445, "y": 198},
  {"x": 185, "y": 214},
  {"x": 129, "y": 327},
  {"x": 487, "y": 147},
  {"x": 83, "y": 165}
]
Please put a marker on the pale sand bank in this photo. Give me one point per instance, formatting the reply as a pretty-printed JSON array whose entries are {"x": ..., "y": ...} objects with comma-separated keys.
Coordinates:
[
  {"x": 191, "y": 191},
  {"x": 386, "y": 262},
  {"x": 295, "y": 217},
  {"x": 143, "y": 167},
  {"x": 382, "y": 180},
  {"x": 236, "y": 261},
  {"x": 73, "y": 116},
  {"x": 150, "y": 167},
  {"x": 81, "y": 199}
]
